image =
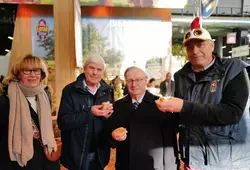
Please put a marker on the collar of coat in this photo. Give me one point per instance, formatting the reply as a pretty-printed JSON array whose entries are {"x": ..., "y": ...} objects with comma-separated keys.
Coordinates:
[
  {"x": 79, "y": 84},
  {"x": 148, "y": 98},
  {"x": 217, "y": 71}
]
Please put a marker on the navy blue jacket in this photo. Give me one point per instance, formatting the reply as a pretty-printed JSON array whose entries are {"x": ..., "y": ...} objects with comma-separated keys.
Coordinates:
[
  {"x": 78, "y": 124},
  {"x": 215, "y": 120}
]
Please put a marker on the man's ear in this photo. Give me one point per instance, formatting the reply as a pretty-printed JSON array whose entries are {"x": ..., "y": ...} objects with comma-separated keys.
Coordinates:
[{"x": 212, "y": 44}]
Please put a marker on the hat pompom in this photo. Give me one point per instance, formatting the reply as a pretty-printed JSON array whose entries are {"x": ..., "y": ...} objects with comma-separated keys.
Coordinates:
[{"x": 195, "y": 24}]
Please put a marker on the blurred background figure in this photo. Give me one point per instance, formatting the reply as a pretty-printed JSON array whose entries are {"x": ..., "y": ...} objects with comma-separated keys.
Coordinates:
[
  {"x": 151, "y": 87},
  {"x": 167, "y": 86},
  {"x": 118, "y": 85}
]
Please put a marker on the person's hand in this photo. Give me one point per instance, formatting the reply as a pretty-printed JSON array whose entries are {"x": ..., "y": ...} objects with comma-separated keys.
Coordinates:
[
  {"x": 169, "y": 104},
  {"x": 105, "y": 109},
  {"x": 120, "y": 134}
]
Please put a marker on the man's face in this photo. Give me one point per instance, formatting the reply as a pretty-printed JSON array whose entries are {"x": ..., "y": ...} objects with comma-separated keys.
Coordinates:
[
  {"x": 93, "y": 73},
  {"x": 136, "y": 82},
  {"x": 168, "y": 76},
  {"x": 199, "y": 52}
]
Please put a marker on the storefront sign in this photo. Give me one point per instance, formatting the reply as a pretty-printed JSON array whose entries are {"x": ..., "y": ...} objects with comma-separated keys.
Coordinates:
[
  {"x": 231, "y": 38},
  {"x": 240, "y": 51}
]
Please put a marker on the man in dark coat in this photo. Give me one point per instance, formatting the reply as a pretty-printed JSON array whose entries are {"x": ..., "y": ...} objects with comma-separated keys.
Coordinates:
[
  {"x": 144, "y": 135},
  {"x": 82, "y": 119},
  {"x": 167, "y": 86},
  {"x": 211, "y": 98}
]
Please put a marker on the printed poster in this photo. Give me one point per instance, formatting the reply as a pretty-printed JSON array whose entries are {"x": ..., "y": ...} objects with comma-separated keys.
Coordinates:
[{"x": 121, "y": 42}]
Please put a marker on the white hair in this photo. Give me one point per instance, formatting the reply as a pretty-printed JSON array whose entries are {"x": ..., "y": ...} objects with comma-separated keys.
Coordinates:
[
  {"x": 136, "y": 68},
  {"x": 95, "y": 59}
]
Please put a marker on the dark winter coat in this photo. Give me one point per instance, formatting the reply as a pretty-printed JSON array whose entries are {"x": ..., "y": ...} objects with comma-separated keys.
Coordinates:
[
  {"x": 38, "y": 162},
  {"x": 163, "y": 88},
  {"x": 215, "y": 120},
  {"x": 78, "y": 124},
  {"x": 151, "y": 135}
]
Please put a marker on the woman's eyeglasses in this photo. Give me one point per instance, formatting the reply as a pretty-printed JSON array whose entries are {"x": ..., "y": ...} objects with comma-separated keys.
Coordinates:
[{"x": 36, "y": 71}]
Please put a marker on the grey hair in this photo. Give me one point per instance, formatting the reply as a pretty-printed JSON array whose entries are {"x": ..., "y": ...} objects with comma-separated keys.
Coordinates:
[
  {"x": 95, "y": 59},
  {"x": 135, "y": 68}
]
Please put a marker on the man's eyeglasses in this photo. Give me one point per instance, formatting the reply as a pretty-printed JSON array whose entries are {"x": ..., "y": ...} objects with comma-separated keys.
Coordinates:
[
  {"x": 36, "y": 71},
  {"x": 137, "y": 81}
]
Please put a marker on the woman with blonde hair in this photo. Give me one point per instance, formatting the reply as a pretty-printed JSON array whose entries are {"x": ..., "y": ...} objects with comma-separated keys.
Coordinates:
[{"x": 26, "y": 124}]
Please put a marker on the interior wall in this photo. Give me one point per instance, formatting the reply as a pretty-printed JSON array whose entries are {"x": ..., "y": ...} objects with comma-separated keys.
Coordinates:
[{"x": 22, "y": 42}]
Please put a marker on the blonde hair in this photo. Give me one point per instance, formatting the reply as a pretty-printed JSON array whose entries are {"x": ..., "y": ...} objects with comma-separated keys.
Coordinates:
[{"x": 26, "y": 62}]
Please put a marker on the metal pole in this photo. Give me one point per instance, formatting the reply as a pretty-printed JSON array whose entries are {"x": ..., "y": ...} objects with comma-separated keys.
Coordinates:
[{"x": 200, "y": 10}]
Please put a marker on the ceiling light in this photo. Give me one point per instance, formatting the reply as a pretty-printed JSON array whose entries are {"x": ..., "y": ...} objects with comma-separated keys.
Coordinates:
[
  {"x": 11, "y": 38},
  {"x": 229, "y": 51},
  {"x": 224, "y": 47},
  {"x": 7, "y": 50},
  {"x": 213, "y": 39}
]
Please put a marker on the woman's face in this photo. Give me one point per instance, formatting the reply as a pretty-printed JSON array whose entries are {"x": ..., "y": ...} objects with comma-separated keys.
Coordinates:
[{"x": 30, "y": 77}]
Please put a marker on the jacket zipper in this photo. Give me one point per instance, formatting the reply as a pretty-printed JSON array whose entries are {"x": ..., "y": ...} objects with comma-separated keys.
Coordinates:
[
  {"x": 84, "y": 146},
  {"x": 84, "y": 142}
]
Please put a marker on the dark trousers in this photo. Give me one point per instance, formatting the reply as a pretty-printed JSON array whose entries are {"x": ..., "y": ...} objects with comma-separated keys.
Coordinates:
[{"x": 92, "y": 162}]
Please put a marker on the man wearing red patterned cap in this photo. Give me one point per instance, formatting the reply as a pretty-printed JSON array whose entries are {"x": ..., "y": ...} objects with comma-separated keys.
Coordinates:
[{"x": 211, "y": 101}]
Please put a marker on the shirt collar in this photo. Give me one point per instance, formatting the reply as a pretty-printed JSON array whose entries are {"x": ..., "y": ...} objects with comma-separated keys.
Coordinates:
[
  {"x": 209, "y": 65},
  {"x": 139, "y": 101},
  {"x": 85, "y": 86}
]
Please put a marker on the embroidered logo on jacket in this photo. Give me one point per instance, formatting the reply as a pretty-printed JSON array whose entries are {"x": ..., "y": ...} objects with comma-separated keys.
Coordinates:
[{"x": 213, "y": 86}]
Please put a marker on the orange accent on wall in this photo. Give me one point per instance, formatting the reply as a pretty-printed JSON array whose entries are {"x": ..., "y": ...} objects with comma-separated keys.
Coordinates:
[
  {"x": 25, "y": 10},
  {"x": 123, "y": 12}
]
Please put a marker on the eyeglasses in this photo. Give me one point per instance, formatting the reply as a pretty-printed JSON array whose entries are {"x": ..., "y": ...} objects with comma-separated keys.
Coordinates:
[
  {"x": 137, "y": 81},
  {"x": 36, "y": 71}
]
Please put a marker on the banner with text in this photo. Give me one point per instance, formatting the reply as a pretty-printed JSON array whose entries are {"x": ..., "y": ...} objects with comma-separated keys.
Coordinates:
[
  {"x": 121, "y": 42},
  {"x": 128, "y": 42}
]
